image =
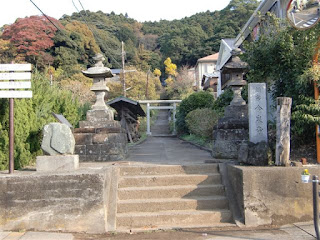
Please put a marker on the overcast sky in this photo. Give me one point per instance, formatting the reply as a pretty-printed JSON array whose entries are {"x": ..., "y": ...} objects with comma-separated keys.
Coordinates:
[{"x": 141, "y": 10}]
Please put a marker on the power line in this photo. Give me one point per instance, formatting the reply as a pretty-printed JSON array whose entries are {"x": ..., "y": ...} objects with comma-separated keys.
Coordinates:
[
  {"x": 46, "y": 16},
  {"x": 93, "y": 32}
]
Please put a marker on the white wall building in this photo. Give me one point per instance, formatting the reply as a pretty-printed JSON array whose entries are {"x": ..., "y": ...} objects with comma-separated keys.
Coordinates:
[{"x": 205, "y": 65}]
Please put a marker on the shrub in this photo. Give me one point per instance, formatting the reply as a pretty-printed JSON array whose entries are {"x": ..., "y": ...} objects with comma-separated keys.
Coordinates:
[
  {"x": 200, "y": 122},
  {"x": 194, "y": 101},
  {"x": 222, "y": 101}
]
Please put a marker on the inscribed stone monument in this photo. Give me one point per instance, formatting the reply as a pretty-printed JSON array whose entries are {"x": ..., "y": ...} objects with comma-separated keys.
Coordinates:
[{"x": 257, "y": 105}]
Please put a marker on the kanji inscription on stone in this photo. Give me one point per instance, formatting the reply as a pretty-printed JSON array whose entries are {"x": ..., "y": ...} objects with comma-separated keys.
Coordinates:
[{"x": 258, "y": 131}]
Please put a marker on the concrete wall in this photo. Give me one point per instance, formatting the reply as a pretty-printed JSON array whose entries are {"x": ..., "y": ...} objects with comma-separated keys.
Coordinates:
[
  {"x": 272, "y": 195},
  {"x": 71, "y": 202}
]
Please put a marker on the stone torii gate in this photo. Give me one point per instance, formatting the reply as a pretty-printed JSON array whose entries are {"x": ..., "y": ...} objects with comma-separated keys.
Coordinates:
[{"x": 172, "y": 105}]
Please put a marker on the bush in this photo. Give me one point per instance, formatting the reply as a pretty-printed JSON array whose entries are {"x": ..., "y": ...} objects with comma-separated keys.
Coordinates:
[
  {"x": 200, "y": 122},
  {"x": 194, "y": 101},
  {"x": 222, "y": 101}
]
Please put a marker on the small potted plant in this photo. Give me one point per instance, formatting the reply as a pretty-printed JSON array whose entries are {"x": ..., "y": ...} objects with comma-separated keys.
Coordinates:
[{"x": 305, "y": 176}]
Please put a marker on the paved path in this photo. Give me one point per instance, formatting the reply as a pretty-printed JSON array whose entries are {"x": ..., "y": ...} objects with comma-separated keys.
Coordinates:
[{"x": 167, "y": 150}]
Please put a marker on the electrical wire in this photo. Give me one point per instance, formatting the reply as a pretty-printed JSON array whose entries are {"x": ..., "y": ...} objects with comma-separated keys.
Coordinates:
[
  {"x": 46, "y": 16},
  {"x": 94, "y": 32}
]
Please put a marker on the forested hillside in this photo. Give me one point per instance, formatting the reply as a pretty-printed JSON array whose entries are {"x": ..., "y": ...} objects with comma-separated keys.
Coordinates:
[{"x": 147, "y": 44}]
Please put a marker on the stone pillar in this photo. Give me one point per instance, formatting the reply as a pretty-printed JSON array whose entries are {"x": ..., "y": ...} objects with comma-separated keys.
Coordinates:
[
  {"x": 148, "y": 120},
  {"x": 257, "y": 105},
  {"x": 283, "y": 131}
]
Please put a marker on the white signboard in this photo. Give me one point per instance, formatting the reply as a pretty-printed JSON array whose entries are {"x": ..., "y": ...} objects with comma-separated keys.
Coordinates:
[
  {"x": 11, "y": 74},
  {"x": 258, "y": 131},
  {"x": 15, "y": 85},
  {"x": 15, "y": 94},
  {"x": 15, "y": 76},
  {"x": 15, "y": 67}
]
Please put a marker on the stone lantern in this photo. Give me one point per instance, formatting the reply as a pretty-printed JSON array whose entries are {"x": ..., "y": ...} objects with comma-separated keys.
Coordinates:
[
  {"x": 232, "y": 130},
  {"x": 100, "y": 137},
  {"x": 99, "y": 73},
  {"x": 236, "y": 68}
]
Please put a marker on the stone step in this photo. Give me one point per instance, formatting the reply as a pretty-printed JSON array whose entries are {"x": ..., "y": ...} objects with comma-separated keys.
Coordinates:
[
  {"x": 189, "y": 203},
  {"x": 168, "y": 169},
  {"x": 187, "y": 191},
  {"x": 169, "y": 180},
  {"x": 172, "y": 219}
]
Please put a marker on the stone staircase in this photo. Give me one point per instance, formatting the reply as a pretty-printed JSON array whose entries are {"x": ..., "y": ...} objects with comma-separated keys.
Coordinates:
[
  {"x": 161, "y": 126},
  {"x": 171, "y": 196}
]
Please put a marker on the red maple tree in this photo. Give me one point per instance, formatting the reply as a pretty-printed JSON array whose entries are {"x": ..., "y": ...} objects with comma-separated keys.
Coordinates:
[{"x": 31, "y": 36}]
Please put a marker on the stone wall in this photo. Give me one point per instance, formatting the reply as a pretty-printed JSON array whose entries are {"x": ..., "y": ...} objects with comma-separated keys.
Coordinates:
[
  {"x": 272, "y": 195},
  {"x": 71, "y": 202}
]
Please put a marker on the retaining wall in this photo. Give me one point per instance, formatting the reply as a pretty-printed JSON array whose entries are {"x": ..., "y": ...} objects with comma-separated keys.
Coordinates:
[{"x": 272, "y": 195}]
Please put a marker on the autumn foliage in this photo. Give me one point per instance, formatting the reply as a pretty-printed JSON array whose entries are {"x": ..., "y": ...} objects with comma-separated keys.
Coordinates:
[{"x": 31, "y": 37}]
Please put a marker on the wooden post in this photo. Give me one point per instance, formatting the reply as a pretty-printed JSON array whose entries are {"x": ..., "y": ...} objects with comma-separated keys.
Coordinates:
[
  {"x": 124, "y": 79},
  {"x": 148, "y": 119},
  {"x": 11, "y": 131},
  {"x": 11, "y": 135},
  {"x": 316, "y": 97}
]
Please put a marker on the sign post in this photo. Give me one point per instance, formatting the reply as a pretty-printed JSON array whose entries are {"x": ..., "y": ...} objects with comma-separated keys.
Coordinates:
[{"x": 12, "y": 82}]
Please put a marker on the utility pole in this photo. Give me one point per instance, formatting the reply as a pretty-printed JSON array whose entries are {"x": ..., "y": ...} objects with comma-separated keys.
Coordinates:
[
  {"x": 147, "y": 85},
  {"x": 123, "y": 77}
]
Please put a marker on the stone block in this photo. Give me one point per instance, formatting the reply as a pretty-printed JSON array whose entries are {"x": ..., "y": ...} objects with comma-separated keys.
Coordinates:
[
  {"x": 232, "y": 123},
  {"x": 115, "y": 151},
  {"x": 95, "y": 158},
  {"x": 57, "y": 139},
  {"x": 93, "y": 115},
  {"x": 230, "y": 134},
  {"x": 100, "y": 138},
  {"x": 94, "y": 149},
  {"x": 98, "y": 124},
  {"x": 255, "y": 154},
  {"x": 236, "y": 111},
  {"x": 57, "y": 163},
  {"x": 80, "y": 149},
  {"x": 225, "y": 149},
  {"x": 83, "y": 138},
  {"x": 109, "y": 130},
  {"x": 84, "y": 130},
  {"x": 116, "y": 157},
  {"x": 105, "y": 148}
]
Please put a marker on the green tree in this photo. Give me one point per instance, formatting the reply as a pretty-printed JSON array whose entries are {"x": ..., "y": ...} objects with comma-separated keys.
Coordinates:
[{"x": 281, "y": 57}]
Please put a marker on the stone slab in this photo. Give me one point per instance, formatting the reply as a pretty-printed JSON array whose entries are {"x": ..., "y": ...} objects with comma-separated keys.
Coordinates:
[
  {"x": 257, "y": 104},
  {"x": 57, "y": 163},
  {"x": 64, "y": 201}
]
